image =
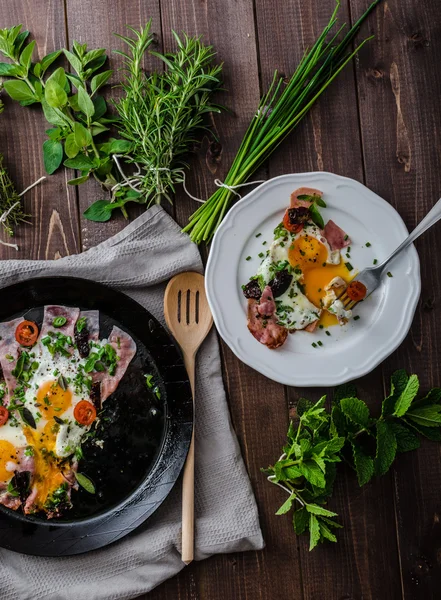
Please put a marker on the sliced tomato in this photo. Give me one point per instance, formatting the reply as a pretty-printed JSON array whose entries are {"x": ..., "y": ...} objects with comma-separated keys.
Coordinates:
[
  {"x": 356, "y": 291},
  {"x": 84, "y": 412},
  {"x": 26, "y": 333},
  {"x": 4, "y": 415},
  {"x": 293, "y": 228}
]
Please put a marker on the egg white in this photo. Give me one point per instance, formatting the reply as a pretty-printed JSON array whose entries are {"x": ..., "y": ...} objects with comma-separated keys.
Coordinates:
[{"x": 294, "y": 309}]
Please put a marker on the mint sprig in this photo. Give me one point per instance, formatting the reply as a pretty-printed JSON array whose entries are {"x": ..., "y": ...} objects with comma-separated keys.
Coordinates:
[{"x": 321, "y": 438}]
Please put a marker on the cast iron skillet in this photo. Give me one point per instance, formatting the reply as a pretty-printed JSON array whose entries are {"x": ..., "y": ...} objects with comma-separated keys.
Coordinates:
[{"x": 146, "y": 437}]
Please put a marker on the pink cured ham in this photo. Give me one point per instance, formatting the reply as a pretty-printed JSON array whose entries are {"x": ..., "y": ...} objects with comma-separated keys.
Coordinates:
[
  {"x": 303, "y": 191},
  {"x": 312, "y": 326},
  {"x": 335, "y": 236},
  {"x": 125, "y": 348},
  {"x": 7, "y": 499},
  {"x": 266, "y": 330},
  {"x": 267, "y": 306},
  {"x": 9, "y": 347},
  {"x": 53, "y": 311}
]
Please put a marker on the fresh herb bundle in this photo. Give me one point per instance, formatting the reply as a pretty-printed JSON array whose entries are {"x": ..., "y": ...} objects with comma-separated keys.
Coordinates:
[
  {"x": 70, "y": 102},
  {"x": 320, "y": 439},
  {"x": 160, "y": 115},
  {"x": 279, "y": 112}
]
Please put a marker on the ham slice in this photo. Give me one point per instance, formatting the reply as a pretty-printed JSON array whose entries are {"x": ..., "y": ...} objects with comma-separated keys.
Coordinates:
[
  {"x": 7, "y": 499},
  {"x": 52, "y": 311},
  {"x": 335, "y": 236},
  {"x": 9, "y": 347},
  {"x": 267, "y": 306},
  {"x": 312, "y": 326},
  {"x": 92, "y": 323},
  {"x": 266, "y": 330},
  {"x": 125, "y": 348},
  {"x": 303, "y": 191}
]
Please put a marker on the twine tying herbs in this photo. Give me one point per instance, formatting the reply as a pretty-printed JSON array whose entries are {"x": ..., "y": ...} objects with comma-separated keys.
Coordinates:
[{"x": 135, "y": 181}]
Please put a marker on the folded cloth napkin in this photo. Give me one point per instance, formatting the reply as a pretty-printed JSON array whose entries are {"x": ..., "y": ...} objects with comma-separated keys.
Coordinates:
[{"x": 139, "y": 261}]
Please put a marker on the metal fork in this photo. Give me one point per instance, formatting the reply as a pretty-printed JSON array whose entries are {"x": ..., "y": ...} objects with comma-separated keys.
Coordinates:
[{"x": 371, "y": 276}]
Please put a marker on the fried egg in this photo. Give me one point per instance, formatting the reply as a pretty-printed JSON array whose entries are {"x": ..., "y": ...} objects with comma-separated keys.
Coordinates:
[{"x": 313, "y": 265}]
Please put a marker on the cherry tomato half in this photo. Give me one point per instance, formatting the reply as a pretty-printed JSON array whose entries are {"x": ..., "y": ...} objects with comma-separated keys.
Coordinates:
[
  {"x": 356, "y": 291},
  {"x": 293, "y": 228},
  {"x": 26, "y": 333},
  {"x": 4, "y": 415},
  {"x": 84, "y": 412}
]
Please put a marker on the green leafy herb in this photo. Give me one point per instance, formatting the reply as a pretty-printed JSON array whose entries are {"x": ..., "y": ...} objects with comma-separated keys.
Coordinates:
[
  {"x": 11, "y": 206},
  {"x": 81, "y": 324},
  {"x": 85, "y": 482},
  {"x": 59, "y": 321},
  {"x": 320, "y": 439}
]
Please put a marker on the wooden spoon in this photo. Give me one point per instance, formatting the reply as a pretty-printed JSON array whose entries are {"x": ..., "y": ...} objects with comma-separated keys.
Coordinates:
[{"x": 189, "y": 319}]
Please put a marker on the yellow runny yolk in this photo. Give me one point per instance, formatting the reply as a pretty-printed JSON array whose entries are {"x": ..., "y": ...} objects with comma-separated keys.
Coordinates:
[
  {"x": 53, "y": 401},
  {"x": 310, "y": 255},
  {"x": 8, "y": 454}
]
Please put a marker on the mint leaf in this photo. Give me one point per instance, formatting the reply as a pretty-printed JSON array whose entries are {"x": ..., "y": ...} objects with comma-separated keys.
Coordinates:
[
  {"x": 326, "y": 532},
  {"x": 407, "y": 440},
  {"x": 331, "y": 523},
  {"x": 431, "y": 433},
  {"x": 300, "y": 520},
  {"x": 428, "y": 416},
  {"x": 399, "y": 381},
  {"x": 407, "y": 395},
  {"x": 364, "y": 465},
  {"x": 292, "y": 472},
  {"x": 433, "y": 397},
  {"x": 315, "y": 509},
  {"x": 356, "y": 410},
  {"x": 302, "y": 406},
  {"x": 338, "y": 423},
  {"x": 100, "y": 211},
  {"x": 85, "y": 482},
  {"x": 386, "y": 448},
  {"x": 347, "y": 390},
  {"x": 286, "y": 506},
  {"x": 314, "y": 531},
  {"x": 312, "y": 473}
]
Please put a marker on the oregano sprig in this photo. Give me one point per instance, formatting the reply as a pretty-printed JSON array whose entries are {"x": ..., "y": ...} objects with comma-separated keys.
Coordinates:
[{"x": 322, "y": 438}]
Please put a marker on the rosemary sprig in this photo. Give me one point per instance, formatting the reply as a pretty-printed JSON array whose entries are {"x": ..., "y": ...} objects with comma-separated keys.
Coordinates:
[
  {"x": 161, "y": 113},
  {"x": 279, "y": 113},
  {"x": 11, "y": 207}
]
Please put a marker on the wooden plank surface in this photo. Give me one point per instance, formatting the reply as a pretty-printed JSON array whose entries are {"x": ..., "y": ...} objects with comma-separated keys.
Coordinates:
[
  {"x": 379, "y": 123},
  {"x": 400, "y": 123},
  {"x": 54, "y": 229}
]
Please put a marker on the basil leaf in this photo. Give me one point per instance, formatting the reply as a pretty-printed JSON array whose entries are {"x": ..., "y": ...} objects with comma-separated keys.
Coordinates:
[
  {"x": 19, "y": 90},
  {"x": 28, "y": 417},
  {"x": 62, "y": 382},
  {"x": 85, "y": 482},
  {"x": 85, "y": 103},
  {"x": 54, "y": 94},
  {"x": 316, "y": 216},
  {"x": 100, "y": 211},
  {"x": 52, "y": 155}
]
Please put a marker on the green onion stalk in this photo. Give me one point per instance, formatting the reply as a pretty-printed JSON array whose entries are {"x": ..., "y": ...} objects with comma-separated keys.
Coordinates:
[{"x": 279, "y": 112}]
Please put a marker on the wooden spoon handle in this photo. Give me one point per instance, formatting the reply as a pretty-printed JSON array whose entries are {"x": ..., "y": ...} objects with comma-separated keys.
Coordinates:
[{"x": 188, "y": 481}]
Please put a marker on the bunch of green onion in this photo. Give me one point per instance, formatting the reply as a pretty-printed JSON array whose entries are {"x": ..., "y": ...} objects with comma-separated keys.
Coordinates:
[{"x": 279, "y": 112}]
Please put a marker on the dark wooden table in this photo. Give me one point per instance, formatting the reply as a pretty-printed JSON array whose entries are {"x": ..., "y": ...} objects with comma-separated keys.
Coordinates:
[{"x": 380, "y": 123}]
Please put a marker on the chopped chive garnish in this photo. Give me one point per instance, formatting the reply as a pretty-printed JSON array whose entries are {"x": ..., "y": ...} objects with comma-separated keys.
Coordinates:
[
  {"x": 261, "y": 254},
  {"x": 349, "y": 266},
  {"x": 324, "y": 264},
  {"x": 389, "y": 274},
  {"x": 356, "y": 317},
  {"x": 258, "y": 234},
  {"x": 346, "y": 237},
  {"x": 375, "y": 261},
  {"x": 321, "y": 326},
  {"x": 263, "y": 243},
  {"x": 314, "y": 345},
  {"x": 320, "y": 343},
  {"x": 327, "y": 332},
  {"x": 248, "y": 258},
  {"x": 368, "y": 244},
  {"x": 349, "y": 249},
  {"x": 319, "y": 290}
]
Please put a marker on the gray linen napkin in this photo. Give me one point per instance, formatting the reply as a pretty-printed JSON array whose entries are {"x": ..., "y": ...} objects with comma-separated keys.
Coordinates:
[{"x": 139, "y": 261}]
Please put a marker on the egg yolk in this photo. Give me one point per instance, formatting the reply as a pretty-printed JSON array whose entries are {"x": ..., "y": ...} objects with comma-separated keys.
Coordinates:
[
  {"x": 8, "y": 454},
  {"x": 310, "y": 255},
  {"x": 53, "y": 401}
]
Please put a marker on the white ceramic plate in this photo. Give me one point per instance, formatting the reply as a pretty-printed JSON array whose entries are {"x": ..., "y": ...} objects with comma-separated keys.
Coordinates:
[{"x": 351, "y": 351}]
